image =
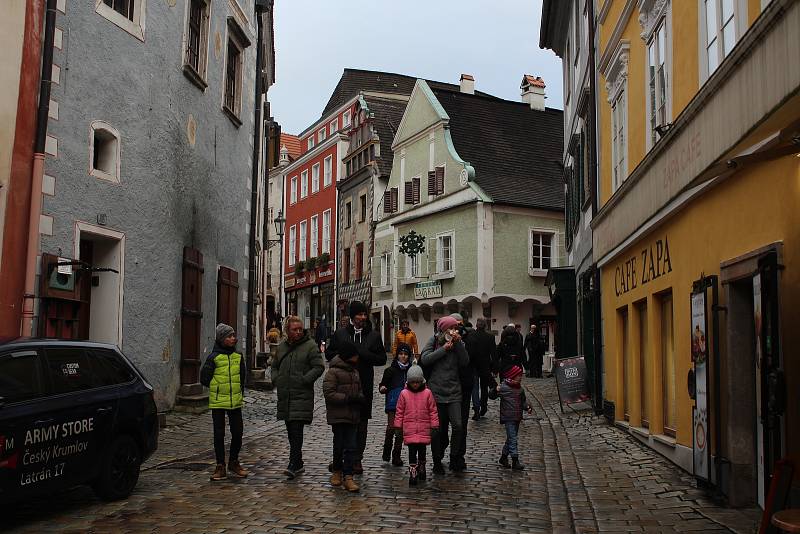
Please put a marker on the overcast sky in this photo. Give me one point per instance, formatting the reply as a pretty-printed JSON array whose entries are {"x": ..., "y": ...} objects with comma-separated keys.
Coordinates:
[{"x": 497, "y": 41}]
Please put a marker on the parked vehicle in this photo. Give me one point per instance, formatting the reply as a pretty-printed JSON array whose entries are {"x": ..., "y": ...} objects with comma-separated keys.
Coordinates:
[{"x": 71, "y": 413}]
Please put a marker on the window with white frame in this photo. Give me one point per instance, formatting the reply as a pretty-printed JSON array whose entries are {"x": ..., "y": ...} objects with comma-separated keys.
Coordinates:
[
  {"x": 196, "y": 49},
  {"x": 720, "y": 31},
  {"x": 444, "y": 253},
  {"x": 322, "y": 134},
  {"x": 386, "y": 269},
  {"x": 658, "y": 73},
  {"x": 311, "y": 142},
  {"x": 326, "y": 231},
  {"x": 541, "y": 246},
  {"x": 293, "y": 190},
  {"x": 618, "y": 142},
  {"x": 127, "y": 14},
  {"x": 412, "y": 266},
  {"x": 328, "y": 171},
  {"x": 104, "y": 151},
  {"x": 314, "y": 236},
  {"x": 292, "y": 244},
  {"x": 315, "y": 178},
  {"x": 303, "y": 236},
  {"x": 334, "y": 126},
  {"x": 234, "y": 58},
  {"x": 346, "y": 119},
  {"x": 304, "y": 184}
]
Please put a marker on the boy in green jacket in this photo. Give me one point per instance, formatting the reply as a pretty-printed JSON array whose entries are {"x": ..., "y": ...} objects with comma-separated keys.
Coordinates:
[{"x": 224, "y": 374}]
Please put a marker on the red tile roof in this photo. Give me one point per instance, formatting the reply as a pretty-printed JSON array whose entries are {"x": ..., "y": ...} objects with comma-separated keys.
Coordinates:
[
  {"x": 292, "y": 143},
  {"x": 536, "y": 81}
]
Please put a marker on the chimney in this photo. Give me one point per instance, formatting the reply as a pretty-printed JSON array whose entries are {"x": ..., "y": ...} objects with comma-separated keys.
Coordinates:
[
  {"x": 533, "y": 92},
  {"x": 284, "y": 159},
  {"x": 467, "y": 84}
]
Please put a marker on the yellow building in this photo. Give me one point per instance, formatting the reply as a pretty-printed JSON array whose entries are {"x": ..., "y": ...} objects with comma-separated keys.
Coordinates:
[{"x": 699, "y": 171}]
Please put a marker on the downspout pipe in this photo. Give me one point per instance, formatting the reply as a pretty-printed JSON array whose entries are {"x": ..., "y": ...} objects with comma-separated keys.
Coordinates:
[
  {"x": 251, "y": 279},
  {"x": 26, "y": 326}
]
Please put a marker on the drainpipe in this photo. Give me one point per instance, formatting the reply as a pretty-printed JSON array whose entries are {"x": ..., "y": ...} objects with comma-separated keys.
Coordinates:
[
  {"x": 26, "y": 327},
  {"x": 260, "y": 5}
]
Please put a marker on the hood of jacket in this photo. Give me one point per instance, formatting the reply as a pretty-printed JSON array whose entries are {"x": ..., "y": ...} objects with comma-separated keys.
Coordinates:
[{"x": 341, "y": 364}]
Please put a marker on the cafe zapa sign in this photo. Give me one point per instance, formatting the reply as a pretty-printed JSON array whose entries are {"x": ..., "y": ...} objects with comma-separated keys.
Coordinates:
[{"x": 653, "y": 262}]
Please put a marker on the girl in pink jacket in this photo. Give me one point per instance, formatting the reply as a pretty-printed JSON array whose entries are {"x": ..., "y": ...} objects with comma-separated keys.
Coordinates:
[{"x": 417, "y": 416}]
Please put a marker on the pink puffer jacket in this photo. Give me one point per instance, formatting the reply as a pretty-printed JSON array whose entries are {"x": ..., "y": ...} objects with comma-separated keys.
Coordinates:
[{"x": 416, "y": 415}]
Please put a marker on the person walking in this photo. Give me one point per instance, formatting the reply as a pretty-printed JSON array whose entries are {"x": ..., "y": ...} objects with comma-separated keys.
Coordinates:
[
  {"x": 509, "y": 352},
  {"x": 391, "y": 385},
  {"x": 512, "y": 403},
  {"x": 224, "y": 375},
  {"x": 481, "y": 348},
  {"x": 371, "y": 353},
  {"x": 535, "y": 349},
  {"x": 417, "y": 417},
  {"x": 466, "y": 376},
  {"x": 343, "y": 399},
  {"x": 444, "y": 355},
  {"x": 407, "y": 336},
  {"x": 296, "y": 366}
]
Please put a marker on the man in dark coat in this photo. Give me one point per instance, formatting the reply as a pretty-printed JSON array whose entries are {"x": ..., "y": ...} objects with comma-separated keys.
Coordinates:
[
  {"x": 371, "y": 353},
  {"x": 481, "y": 347},
  {"x": 534, "y": 346}
]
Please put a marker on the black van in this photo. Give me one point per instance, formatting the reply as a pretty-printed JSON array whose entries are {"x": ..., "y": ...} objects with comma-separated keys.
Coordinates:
[{"x": 72, "y": 412}]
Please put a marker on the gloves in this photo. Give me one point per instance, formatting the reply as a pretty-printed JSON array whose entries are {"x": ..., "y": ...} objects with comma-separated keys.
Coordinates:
[{"x": 357, "y": 397}]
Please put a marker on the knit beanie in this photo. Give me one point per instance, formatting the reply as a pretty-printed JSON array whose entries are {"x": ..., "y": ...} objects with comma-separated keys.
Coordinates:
[
  {"x": 346, "y": 350},
  {"x": 458, "y": 317},
  {"x": 403, "y": 347},
  {"x": 357, "y": 307},
  {"x": 224, "y": 331},
  {"x": 446, "y": 323},
  {"x": 511, "y": 372},
  {"x": 415, "y": 374}
]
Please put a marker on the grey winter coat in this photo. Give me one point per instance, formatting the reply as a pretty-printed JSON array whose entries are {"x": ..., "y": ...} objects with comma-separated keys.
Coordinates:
[{"x": 443, "y": 368}]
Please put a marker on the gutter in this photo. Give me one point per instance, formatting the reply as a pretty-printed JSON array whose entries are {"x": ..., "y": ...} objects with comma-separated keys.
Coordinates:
[{"x": 26, "y": 326}]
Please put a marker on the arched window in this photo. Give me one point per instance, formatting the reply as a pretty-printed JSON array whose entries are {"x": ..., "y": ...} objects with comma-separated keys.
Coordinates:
[{"x": 104, "y": 151}]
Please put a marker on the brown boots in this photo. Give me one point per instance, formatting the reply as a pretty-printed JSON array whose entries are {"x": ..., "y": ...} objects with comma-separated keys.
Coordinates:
[
  {"x": 336, "y": 478},
  {"x": 219, "y": 473},
  {"x": 350, "y": 484},
  {"x": 237, "y": 469}
]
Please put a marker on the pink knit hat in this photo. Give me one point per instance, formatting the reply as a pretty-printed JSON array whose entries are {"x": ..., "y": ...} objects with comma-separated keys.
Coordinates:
[{"x": 446, "y": 323}]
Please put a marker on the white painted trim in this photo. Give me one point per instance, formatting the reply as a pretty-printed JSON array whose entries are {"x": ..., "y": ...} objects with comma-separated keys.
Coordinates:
[
  {"x": 449, "y": 273},
  {"x": 136, "y": 27},
  {"x": 444, "y": 299},
  {"x": 528, "y": 212},
  {"x": 553, "y": 233},
  {"x": 85, "y": 227},
  {"x": 441, "y": 203}
]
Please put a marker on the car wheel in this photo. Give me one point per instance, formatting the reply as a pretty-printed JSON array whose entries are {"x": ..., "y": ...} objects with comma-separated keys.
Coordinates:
[{"x": 119, "y": 470}]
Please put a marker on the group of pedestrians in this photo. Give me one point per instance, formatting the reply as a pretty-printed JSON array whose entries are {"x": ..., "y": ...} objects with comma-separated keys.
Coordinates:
[{"x": 427, "y": 393}]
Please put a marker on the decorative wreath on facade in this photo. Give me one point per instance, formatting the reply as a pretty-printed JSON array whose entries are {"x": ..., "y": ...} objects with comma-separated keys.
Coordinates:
[{"x": 412, "y": 244}]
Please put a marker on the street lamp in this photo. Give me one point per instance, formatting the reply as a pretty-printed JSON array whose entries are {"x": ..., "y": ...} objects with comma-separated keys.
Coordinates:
[{"x": 280, "y": 224}]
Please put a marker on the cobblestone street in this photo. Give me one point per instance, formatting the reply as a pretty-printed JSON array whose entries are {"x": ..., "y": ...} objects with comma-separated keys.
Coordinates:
[{"x": 582, "y": 476}]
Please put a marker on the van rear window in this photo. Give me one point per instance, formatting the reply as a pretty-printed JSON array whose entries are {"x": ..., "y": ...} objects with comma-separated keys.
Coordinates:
[{"x": 19, "y": 377}]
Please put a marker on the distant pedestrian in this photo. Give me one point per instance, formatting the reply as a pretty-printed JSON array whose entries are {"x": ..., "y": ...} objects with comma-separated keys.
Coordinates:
[
  {"x": 391, "y": 385},
  {"x": 417, "y": 416},
  {"x": 508, "y": 352},
  {"x": 534, "y": 346},
  {"x": 512, "y": 403},
  {"x": 370, "y": 353},
  {"x": 444, "y": 355},
  {"x": 343, "y": 401},
  {"x": 224, "y": 374},
  {"x": 481, "y": 348},
  {"x": 407, "y": 336},
  {"x": 466, "y": 376},
  {"x": 297, "y": 365}
]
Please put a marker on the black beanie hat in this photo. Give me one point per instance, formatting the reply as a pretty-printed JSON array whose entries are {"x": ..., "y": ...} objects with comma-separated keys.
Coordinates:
[
  {"x": 404, "y": 347},
  {"x": 346, "y": 349},
  {"x": 357, "y": 307}
]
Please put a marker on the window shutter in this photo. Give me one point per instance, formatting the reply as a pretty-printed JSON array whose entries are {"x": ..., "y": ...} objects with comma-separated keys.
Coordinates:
[
  {"x": 431, "y": 183},
  {"x": 439, "y": 180},
  {"x": 394, "y": 199},
  {"x": 409, "y": 193},
  {"x": 415, "y": 191},
  {"x": 387, "y": 201}
]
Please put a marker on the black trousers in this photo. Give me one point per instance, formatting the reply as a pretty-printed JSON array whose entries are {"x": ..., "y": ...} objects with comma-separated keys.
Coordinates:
[
  {"x": 362, "y": 438},
  {"x": 416, "y": 453},
  {"x": 295, "y": 431},
  {"x": 237, "y": 428},
  {"x": 449, "y": 416},
  {"x": 344, "y": 447}
]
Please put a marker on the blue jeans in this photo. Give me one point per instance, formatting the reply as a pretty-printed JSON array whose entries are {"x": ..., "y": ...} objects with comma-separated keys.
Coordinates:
[
  {"x": 345, "y": 447},
  {"x": 510, "y": 447}
]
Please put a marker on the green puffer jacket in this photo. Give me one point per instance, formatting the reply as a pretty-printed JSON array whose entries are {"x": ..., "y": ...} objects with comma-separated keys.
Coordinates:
[
  {"x": 295, "y": 368},
  {"x": 224, "y": 375}
]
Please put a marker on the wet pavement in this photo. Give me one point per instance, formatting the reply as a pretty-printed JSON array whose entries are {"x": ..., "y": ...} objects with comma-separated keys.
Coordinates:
[{"x": 582, "y": 476}]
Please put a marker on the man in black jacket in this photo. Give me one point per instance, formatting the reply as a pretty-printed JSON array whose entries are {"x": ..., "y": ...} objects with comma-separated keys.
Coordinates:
[
  {"x": 481, "y": 348},
  {"x": 535, "y": 349},
  {"x": 371, "y": 353}
]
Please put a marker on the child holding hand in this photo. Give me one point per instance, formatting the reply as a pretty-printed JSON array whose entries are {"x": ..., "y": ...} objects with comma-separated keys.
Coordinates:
[{"x": 417, "y": 416}]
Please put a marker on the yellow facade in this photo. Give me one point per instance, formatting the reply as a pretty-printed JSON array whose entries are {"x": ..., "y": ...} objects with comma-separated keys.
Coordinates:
[{"x": 653, "y": 270}]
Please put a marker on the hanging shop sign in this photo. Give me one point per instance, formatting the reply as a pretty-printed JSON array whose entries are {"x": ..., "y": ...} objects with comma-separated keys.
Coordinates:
[
  {"x": 699, "y": 345},
  {"x": 653, "y": 262},
  {"x": 428, "y": 290},
  {"x": 571, "y": 380}
]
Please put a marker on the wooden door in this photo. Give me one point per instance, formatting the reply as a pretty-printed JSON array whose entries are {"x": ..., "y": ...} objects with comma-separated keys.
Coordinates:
[
  {"x": 191, "y": 314},
  {"x": 227, "y": 296}
]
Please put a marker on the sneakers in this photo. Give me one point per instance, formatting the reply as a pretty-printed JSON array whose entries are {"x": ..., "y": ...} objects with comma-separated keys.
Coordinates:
[
  {"x": 476, "y": 416},
  {"x": 516, "y": 465},
  {"x": 421, "y": 474},
  {"x": 336, "y": 478},
  {"x": 219, "y": 473},
  {"x": 457, "y": 465},
  {"x": 358, "y": 469},
  {"x": 438, "y": 468},
  {"x": 484, "y": 409},
  {"x": 237, "y": 469},
  {"x": 412, "y": 474},
  {"x": 387, "y": 451},
  {"x": 289, "y": 472},
  {"x": 349, "y": 484},
  {"x": 504, "y": 461}
]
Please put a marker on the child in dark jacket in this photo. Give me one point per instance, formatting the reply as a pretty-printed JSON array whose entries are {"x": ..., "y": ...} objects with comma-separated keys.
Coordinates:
[
  {"x": 512, "y": 403},
  {"x": 343, "y": 400},
  {"x": 392, "y": 384}
]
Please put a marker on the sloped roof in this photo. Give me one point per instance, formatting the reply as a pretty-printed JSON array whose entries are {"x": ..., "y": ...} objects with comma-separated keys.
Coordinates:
[
  {"x": 516, "y": 151},
  {"x": 387, "y": 116},
  {"x": 353, "y": 81},
  {"x": 292, "y": 143}
]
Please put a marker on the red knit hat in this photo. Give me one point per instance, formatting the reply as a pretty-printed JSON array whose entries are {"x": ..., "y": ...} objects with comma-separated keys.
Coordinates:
[{"x": 511, "y": 372}]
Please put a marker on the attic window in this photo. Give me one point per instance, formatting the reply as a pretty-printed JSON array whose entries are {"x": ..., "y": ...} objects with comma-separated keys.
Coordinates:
[{"x": 436, "y": 181}]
